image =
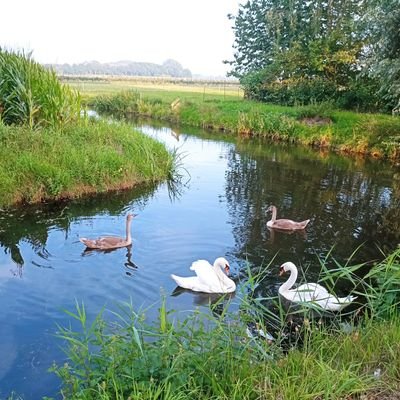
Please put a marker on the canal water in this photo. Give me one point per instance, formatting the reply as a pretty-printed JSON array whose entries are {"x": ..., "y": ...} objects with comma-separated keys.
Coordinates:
[{"x": 218, "y": 209}]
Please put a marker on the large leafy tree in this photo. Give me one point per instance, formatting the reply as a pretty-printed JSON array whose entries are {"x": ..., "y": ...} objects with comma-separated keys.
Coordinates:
[
  {"x": 383, "y": 21},
  {"x": 281, "y": 40},
  {"x": 252, "y": 50}
]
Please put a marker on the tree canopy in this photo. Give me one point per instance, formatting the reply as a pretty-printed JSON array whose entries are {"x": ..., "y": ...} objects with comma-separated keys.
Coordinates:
[
  {"x": 296, "y": 51},
  {"x": 168, "y": 68}
]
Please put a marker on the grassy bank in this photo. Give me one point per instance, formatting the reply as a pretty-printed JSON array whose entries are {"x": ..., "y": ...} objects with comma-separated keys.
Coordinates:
[
  {"x": 211, "y": 356},
  {"x": 50, "y": 150},
  {"x": 76, "y": 159},
  {"x": 320, "y": 125}
]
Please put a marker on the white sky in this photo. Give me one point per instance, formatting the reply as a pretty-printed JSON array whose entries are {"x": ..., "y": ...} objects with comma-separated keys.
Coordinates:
[{"x": 196, "y": 33}]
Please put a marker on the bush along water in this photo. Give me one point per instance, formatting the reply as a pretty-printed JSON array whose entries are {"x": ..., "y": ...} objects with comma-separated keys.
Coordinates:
[{"x": 215, "y": 355}]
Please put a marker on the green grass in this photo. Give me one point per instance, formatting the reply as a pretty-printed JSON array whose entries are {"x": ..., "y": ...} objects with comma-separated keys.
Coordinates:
[
  {"x": 50, "y": 150},
  {"x": 210, "y": 356},
  {"x": 161, "y": 88},
  {"x": 54, "y": 163},
  {"x": 375, "y": 135}
]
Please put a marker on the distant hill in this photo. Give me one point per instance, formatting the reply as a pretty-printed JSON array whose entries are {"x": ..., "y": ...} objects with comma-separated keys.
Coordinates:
[{"x": 168, "y": 68}]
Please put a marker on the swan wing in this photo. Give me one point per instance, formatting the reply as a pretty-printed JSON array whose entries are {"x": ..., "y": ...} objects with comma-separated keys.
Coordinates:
[
  {"x": 207, "y": 276},
  {"x": 287, "y": 224},
  {"x": 314, "y": 288},
  {"x": 191, "y": 283},
  {"x": 309, "y": 292},
  {"x": 105, "y": 242},
  {"x": 317, "y": 294}
]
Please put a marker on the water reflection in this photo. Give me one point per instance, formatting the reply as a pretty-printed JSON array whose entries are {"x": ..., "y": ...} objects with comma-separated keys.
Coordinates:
[
  {"x": 348, "y": 206},
  {"x": 33, "y": 224},
  {"x": 175, "y": 133},
  {"x": 130, "y": 266},
  {"x": 215, "y": 301},
  {"x": 221, "y": 211},
  {"x": 273, "y": 232}
]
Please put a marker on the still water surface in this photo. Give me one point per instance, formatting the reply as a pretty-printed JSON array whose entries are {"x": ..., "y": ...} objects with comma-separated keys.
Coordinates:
[{"x": 220, "y": 211}]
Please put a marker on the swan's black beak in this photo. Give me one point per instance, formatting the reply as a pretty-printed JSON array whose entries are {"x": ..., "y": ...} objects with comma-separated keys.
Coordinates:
[
  {"x": 227, "y": 269},
  {"x": 281, "y": 270}
]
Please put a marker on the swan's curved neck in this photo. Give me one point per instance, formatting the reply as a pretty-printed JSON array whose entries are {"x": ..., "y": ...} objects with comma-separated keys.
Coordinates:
[
  {"x": 128, "y": 230},
  {"x": 291, "y": 281},
  {"x": 273, "y": 213},
  {"x": 218, "y": 270}
]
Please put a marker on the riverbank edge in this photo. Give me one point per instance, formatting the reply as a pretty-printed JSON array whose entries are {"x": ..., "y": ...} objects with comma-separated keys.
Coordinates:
[
  {"x": 217, "y": 356},
  {"x": 319, "y": 126},
  {"x": 51, "y": 164}
]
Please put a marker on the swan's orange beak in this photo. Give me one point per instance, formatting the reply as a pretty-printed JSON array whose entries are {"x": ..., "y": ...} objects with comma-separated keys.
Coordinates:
[
  {"x": 227, "y": 269},
  {"x": 281, "y": 270}
]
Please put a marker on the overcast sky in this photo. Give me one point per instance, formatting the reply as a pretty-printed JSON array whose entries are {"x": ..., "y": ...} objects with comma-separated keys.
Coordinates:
[{"x": 196, "y": 33}]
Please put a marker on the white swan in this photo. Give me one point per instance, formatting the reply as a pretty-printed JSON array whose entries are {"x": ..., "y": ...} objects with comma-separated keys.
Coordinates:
[
  {"x": 310, "y": 292},
  {"x": 209, "y": 279}
]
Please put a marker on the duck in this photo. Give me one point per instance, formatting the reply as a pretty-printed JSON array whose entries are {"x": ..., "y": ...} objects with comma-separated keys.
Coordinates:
[
  {"x": 284, "y": 224},
  {"x": 310, "y": 292},
  {"x": 209, "y": 279},
  {"x": 111, "y": 242}
]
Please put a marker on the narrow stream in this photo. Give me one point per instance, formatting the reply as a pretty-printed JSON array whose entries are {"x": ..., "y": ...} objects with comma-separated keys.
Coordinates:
[{"x": 219, "y": 211}]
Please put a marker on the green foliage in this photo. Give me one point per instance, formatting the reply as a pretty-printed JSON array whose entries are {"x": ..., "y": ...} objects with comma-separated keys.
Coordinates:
[
  {"x": 52, "y": 163},
  {"x": 376, "y": 135},
  {"x": 383, "y": 21},
  {"x": 129, "y": 102},
  {"x": 295, "y": 52},
  {"x": 210, "y": 355},
  {"x": 31, "y": 95},
  {"x": 251, "y": 48},
  {"x": 126, "y": 101},
  {"x": 379, "y": 286}
]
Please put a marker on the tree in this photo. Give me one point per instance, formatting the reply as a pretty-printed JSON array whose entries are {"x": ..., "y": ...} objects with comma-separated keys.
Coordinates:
[
  {"x": 384, "y": 52},
  {"x": 297, "y": 42},
  {"x": 252, "y": 50}
]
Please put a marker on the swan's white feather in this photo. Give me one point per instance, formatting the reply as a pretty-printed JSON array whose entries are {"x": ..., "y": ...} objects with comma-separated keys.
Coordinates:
[
  {"x": 312, "y": 293},
  {"x": 206, "y": 279}
]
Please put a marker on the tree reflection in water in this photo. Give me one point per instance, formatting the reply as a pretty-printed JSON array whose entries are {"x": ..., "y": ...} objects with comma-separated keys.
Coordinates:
[
  {"x": 216, "y": 301},
  {"x": 32, "y": 224},
  {"x": 349, "y": 204}
]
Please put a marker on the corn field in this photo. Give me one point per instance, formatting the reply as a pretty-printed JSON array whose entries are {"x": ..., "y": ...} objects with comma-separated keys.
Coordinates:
[{"x": 32, "y": 95}]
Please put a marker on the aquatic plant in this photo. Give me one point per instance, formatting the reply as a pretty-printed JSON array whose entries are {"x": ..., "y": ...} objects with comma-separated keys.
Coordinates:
[{"x": 213, "y": 355}]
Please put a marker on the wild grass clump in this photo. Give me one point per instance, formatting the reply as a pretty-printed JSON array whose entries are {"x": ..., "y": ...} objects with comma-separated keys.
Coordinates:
[
  {"x": 120, "y": 103},
  {"x": 129, "y": 102},
  {"x": 32, "y": 95},
  {"x": 54, "y": 163},
  {"x": 379, "y": 288},
  {"x": 213, "y": 355}
]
